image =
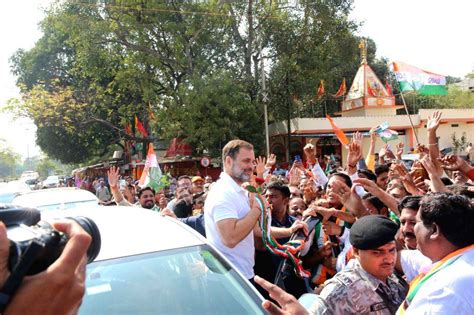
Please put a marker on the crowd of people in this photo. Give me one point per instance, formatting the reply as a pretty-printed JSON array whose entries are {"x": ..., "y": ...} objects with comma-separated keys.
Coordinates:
[
  {"x": 380, "y": 236},
  {"x": 380, "y": 225}
]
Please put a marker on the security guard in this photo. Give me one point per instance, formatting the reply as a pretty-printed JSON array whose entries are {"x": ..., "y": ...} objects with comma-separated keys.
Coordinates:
[{"x": 370, "y": 287}]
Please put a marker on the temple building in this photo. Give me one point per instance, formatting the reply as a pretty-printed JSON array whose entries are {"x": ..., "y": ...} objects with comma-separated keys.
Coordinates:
[{"x": 367, "y": 104}]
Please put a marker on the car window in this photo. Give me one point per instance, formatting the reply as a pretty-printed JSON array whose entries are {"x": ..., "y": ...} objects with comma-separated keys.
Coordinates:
[{"x": 191, "y": 280}]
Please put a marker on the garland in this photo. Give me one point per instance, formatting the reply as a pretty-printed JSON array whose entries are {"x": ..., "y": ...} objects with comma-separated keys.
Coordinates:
[{"x": 289, "y": 250}]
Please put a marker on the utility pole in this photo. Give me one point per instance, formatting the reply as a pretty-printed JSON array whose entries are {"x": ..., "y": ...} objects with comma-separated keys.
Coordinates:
[{"x": 264, "y": 100}]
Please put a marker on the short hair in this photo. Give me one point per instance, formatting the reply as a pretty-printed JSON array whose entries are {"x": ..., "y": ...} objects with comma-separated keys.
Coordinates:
[
  {"x": 142, "y": 190},
  {"x": 233, "y": 147},
  {"x": 453, "y": 214},
  {"x": 180, "y": 189},
  {"x": 409, "y": 202},
  {"x": 464, "y": 190},
  {"x": 281, "y": 187},
  {"x": 347, "y": 180},
  {"x": 369, "y": 174},
  {"x": 375, "y": 201},
  {"x": 184, "y": 177},
  {"x": 382, "y": 168}
]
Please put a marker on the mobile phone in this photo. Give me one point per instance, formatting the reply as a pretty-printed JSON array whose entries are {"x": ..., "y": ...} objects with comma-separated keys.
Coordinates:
[
  {"x": 298, "y": 158},
  {"x": 122, "y": 183}
]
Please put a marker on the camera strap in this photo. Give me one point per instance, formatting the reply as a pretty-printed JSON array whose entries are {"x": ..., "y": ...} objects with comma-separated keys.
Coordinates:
[{"x": 18, "y": 272}]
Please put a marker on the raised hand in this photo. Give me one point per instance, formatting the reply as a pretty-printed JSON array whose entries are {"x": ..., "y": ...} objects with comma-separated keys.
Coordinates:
[
  {"x": 433, "y": 167},
  {"x": 260, "y": 166},
  {"x": 455, "y": 163},
  {"x": 400, "y": 147},
  {"x": 113, "y": 176},
  {"x": 357, "y": 138},
  {"x": 433, "y": 121},
  {"x": 354, "y": 154},
  {"x": 287, "y": 303},
  {"x": 271, "y": 161},
  {"x": 310, "y": 153}
]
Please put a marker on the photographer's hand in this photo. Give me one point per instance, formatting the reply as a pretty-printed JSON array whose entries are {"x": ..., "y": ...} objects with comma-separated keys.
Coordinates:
[{"x": 59, "y": 289}]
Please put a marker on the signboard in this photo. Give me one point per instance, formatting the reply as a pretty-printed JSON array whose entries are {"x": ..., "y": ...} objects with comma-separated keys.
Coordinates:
[{"x": 205, "y": 162}]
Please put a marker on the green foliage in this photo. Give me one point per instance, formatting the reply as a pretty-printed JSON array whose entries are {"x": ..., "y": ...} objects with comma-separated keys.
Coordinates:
[
  {"x": 456, "y": 98},
  {"x": 459, "y": 145},
  {"x": 195, "y": 65},
  {"x": 9, "y": 162}
]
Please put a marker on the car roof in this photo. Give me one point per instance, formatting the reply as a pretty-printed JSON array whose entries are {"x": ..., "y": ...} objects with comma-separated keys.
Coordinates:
[
  {"x": 42, "y": 197},
  {"x": 127, "y": 231}
]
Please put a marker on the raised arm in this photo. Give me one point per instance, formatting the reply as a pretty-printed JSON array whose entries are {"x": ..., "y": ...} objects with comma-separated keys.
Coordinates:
[{"x": 431, "y": 126}]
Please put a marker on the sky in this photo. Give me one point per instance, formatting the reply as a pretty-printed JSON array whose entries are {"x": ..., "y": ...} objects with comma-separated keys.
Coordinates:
[{"x": 435, "y": 35}]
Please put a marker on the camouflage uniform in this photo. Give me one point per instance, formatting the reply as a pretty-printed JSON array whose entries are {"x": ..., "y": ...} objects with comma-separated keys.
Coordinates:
[{"x": 354, "y": 291}]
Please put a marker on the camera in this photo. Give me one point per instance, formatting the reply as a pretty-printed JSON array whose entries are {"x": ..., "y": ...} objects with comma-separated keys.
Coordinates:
[{"x": 35, "y": 244}]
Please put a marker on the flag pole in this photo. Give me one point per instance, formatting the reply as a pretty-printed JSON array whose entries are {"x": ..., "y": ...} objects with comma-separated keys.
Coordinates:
[
  {"x": 406, "y": 109},
  {"x": 409, "y": 117}
]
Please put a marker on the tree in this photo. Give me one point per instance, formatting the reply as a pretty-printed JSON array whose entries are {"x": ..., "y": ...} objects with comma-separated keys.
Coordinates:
[
  {"x": 98, "y": 65},
  {"x": 9, "y": 161}
]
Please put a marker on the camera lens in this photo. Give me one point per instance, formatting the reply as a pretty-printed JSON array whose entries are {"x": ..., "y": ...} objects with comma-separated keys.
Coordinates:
[{"x": 91, "y": 228}]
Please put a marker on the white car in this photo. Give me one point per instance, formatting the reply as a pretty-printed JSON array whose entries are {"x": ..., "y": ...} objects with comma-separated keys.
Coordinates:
[
  {"x": 56, "y": 199},
  {"x": 150, "y": 264},
  {"x": 51, "y": 181}
]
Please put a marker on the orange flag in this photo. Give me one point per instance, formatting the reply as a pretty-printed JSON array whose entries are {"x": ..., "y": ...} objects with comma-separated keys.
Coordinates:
[
  {"x": 342, "y": 89},
  {"x": 338, "y": 132},
  {"x": 128, "y": 130},
  {"x": 139, "y": 126},
  {"x": 320, "y": 91}
]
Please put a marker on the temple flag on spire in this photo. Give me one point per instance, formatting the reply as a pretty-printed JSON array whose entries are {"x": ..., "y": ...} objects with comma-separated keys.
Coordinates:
[
  {"x": 342, "y": 89},
  {"x": 139, "y": 126}
]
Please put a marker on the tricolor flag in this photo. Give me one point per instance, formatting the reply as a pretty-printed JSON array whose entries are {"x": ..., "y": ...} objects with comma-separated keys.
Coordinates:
[
  {"x": 151, "y": 175},
  {"x": 321, "y": 90},
  {"x": 342, "y": 89},
  {"x": 338, "y": 132},
  {"x": 385, "y": 133},
  {"x": 423, "y": 82}
]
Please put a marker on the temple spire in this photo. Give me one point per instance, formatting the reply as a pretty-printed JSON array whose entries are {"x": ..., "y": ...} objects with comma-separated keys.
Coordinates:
[{"x": 363, "y": 51}]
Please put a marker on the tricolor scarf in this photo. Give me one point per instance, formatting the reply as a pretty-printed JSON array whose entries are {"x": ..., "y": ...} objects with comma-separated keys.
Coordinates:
[{"x": 416, "y": 284}]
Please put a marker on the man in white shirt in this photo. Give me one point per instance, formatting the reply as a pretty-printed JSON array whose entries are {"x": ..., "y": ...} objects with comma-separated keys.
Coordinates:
[
  {"x": 230, "y": 214},
  {"x": 444, "y": 233}
]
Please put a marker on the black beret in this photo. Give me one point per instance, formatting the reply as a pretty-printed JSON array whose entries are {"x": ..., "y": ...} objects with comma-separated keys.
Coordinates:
[{"x": 372, "y": 231}]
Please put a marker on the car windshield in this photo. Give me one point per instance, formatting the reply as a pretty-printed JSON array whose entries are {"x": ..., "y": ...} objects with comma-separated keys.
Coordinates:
[{"x": 191, "y": 280}]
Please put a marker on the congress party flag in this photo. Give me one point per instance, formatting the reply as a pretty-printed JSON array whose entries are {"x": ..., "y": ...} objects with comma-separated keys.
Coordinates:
[
  {"x": 385, "y": 133},
  {"x": 151, "y": 174},
  {"x": 423, "y": 82}
]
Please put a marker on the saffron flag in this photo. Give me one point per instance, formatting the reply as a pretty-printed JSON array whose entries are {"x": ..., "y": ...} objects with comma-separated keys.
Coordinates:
[
  {"x": 140, "y": 128},
  {"x": 342, "y": 89},
  {"x": 385, "y": 133},
  {"x": 369, "y": 89},
  {"x": 320, "y": 91},
  {"x": 128, "y": 129},
  {"x": 388, "y": 88},
  {"x": 151, "y": 174},
  {"x": 423, "y": 82},
  {"x": 338, "y": 132}
]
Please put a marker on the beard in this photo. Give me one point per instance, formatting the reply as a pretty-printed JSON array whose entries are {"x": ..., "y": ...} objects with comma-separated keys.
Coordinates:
[
  {"x": 239, "y": 174},
  {"x": 148, "y": 205}
]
